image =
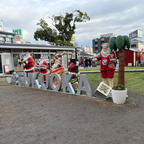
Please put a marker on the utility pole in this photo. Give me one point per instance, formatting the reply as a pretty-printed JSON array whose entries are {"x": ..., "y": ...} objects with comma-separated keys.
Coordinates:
[{"x": 76, "y": 60}]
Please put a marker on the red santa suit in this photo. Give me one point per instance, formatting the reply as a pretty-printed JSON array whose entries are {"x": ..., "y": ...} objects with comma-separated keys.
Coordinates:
[
  {"x": 43, "y": 68},
  {"x": 107, "y": 67},
  {"x": 72, "y": 67},
  {"x": 28, "y": 63}
]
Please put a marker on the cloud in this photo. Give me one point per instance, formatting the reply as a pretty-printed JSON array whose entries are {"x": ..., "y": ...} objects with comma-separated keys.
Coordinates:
[
  {"x": 121, "y": 21},
  {"x": 120, "y": 17}
]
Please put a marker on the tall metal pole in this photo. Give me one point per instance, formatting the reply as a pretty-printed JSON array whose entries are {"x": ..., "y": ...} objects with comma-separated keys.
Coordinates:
[{"x": 76, "y": 59}]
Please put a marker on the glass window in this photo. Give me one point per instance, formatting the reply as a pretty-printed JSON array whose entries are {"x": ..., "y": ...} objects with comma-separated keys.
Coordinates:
[
  {"x": 36, "y": 57},
  {"x": 15, "y": 58}
]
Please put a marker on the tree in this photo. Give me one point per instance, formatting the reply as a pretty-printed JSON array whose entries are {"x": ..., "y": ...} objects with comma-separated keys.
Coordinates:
[
  {"x": 119, "y": 43},
  {"x": 65, "y": 27}
]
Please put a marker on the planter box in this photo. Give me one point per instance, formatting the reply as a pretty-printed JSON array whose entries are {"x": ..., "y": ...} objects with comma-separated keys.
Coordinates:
[{"x": 119, "y": 96}]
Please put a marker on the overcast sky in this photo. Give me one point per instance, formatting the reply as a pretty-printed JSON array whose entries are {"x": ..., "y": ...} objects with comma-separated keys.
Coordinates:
[{"x": 120, "y": 17}]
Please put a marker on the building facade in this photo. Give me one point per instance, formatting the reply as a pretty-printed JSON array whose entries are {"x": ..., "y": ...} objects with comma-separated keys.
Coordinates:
[
  {"x": 97, "y": 43},
  {"x": 10, "y": 53},
  {"x": 137, "y": 44},
  {"x": 14, "y": 47},
  {"x": 88, "y": 50},
  {"x": 7, "y": 37}
]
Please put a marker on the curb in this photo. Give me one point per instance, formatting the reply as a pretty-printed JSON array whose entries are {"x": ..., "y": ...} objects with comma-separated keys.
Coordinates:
[{"x": 88, "y": 72}]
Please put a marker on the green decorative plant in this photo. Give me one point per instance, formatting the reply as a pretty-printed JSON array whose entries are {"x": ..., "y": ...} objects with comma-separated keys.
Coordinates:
[
  {"x": 119, "y": 87},
  {"x": 118, "y": 44}
]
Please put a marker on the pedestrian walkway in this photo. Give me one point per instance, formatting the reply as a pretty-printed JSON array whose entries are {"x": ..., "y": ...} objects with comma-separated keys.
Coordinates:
[{"x": 32, "y": 116}]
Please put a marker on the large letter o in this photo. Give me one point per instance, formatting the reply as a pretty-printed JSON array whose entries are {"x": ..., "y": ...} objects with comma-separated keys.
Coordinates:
[{"x": 53, "y": 86}]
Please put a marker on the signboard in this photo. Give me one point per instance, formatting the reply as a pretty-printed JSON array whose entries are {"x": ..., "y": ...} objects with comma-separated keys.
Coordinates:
[
  {"x": 17, "y": 32},
  {"x": 104, "y": 88},
  {"x": 32, "y": 81},
  {"x": 135, "y": 34},
  {"x": 6, "y": 69},
  {"x": 63, "y": 84}
]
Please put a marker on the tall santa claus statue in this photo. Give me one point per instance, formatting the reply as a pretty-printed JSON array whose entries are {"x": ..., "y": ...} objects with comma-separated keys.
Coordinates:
[
  {"x": 43, "y": 67},
  {"x": 107, "y": 59},
  {"x": 28, "y": 63}
]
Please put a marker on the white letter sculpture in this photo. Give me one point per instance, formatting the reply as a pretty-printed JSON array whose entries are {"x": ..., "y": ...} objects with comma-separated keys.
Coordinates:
[
  {"x": 84, "y": 86},
  {"x": 67, "y": 86}
]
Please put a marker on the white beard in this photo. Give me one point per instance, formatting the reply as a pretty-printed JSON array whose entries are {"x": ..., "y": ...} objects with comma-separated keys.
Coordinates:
[{"x": 105, "y": 53}]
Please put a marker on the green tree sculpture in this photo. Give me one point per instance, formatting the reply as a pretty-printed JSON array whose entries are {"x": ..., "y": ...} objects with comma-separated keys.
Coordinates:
[
  {"x": 120, "y": 43},
  {"x": 65, "y": 27}
]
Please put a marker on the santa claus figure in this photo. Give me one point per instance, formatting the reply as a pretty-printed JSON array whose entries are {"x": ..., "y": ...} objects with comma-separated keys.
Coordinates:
[
  {"x": 107, "y": 59},
  {"x": 57, "y": 67},
  {"x": 57, "y": 61},
  {"x": 73, "y": 66},
  {"x": 28, "y": 63},
  {"x": 43, "y": 67}
]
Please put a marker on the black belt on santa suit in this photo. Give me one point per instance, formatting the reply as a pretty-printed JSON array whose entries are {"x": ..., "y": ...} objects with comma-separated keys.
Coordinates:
[
  {"x": 43, "y": 70},
  {"x": 28, "y": 66}
]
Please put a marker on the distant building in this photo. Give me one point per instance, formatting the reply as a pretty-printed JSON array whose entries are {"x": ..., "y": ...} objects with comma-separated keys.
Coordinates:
[
  {"x": 14, "y": 37},
  {"x": 20, "y": 40},
  {"x": 91, "y": 51},
  {"x": 19, "y": 36},
  {"x": 97, "y": 43},
  {"x": 135, "y": 34},
  {"x": 7, "y": 37},
  {"x": 138, "y": 45},
  {"x": 87, "y": 50},
  {"x": 136, "y": 41}
]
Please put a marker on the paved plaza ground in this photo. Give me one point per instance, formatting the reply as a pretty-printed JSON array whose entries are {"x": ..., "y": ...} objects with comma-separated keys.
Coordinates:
[{"x": 32, "y": 116}]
